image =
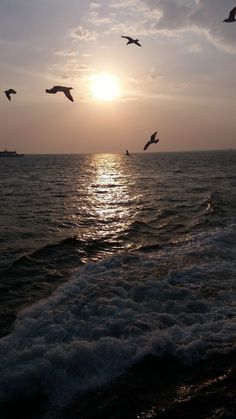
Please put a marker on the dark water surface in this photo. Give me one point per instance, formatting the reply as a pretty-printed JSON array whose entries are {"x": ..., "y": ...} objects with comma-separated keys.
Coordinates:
[{"x": 143, "y": 248}]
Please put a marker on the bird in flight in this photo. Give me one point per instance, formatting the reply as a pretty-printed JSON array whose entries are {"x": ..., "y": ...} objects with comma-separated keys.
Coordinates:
[
  {"x": 65, "y": 90},
  {"x": 231, "y": 17},
  {"x": 9, "y": 92},
  {"x": 151, "y": 141},
  {"x": 132, "y": 41}
]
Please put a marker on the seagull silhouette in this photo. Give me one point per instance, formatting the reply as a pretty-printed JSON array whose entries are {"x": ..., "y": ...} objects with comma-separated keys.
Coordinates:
[
  {"x": 132, "y": 41},
  {"x": 65, "y": 90},
  {"x": 151, "y": 141},
  {"x": 231, "y": 17},
  {"x": 9, "y": 92}
]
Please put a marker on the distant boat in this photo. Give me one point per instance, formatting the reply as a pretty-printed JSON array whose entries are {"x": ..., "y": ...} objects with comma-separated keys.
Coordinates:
[
  {"x": 7, "y": 153},
  {"x": 127, "y": 153}
]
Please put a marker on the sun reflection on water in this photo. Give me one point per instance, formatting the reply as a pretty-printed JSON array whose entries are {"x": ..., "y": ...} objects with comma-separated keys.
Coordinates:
[{"x": 109, "y": 193}]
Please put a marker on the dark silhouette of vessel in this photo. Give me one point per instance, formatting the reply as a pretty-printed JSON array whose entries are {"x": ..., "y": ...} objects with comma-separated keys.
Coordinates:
[{"x": 7, "y": 153}]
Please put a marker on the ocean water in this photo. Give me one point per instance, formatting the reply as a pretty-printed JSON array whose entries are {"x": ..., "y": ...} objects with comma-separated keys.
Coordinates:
[{"x": 106, "y": 259}]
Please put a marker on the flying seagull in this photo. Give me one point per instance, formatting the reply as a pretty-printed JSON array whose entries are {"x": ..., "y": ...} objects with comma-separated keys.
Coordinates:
[
  {"x": 132, "y": 41},
  {"x": 151, "y": 141},
  {"x": 9, "y": 92},
  {"x": 231, "y": 17},
  {"x": 65, "y": 90}
]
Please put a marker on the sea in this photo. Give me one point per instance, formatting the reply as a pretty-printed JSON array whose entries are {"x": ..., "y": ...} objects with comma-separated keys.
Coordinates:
[{"x": 112, "y": 266}]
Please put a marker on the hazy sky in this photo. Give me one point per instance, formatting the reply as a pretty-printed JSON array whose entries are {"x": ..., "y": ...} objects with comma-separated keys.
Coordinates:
[{"x": 182, "y": 82}]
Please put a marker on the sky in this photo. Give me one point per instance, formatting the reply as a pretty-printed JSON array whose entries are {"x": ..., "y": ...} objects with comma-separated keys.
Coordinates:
[{"x": 180, "y": 83}]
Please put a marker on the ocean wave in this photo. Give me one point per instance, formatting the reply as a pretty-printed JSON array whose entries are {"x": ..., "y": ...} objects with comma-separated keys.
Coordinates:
[
  {"x": 55, "y": 251},
  {"x": 36, "y": 275},
  {"x": 178, "y": 301}
]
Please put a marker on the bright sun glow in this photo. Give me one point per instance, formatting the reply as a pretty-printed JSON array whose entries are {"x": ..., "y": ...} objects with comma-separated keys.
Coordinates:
[{"x": 105, "y": 87}]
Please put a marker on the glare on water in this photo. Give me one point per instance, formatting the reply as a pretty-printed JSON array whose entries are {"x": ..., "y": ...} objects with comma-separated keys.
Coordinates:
[{"x": 109, "y": 191}]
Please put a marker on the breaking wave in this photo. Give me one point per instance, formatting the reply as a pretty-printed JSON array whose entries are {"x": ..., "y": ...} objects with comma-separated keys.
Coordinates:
[{"x": 178, "y": 301}]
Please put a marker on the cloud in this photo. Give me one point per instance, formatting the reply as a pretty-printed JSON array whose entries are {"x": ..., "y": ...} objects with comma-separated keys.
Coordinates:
[
  {"x": 83, "y": 34},
  {"x": 208, "y": 16},
  {"x": 173, "y": 14},
  {"x": 203, "y": 16},
  {"x": 94, "y": 5},
  {"x": 66, "y": 53},
  {"x": 73, "y": 65},
  {"x": 155, "y": 85},
  {"x": 195, "y": 48},
  {"x": 172, "y": 17},
  {"x": 97, "y": 20},
  {"x": 70, "y": 69},
  {"x": 119, "y": 4},
  {"x": 153, "y": 75}
]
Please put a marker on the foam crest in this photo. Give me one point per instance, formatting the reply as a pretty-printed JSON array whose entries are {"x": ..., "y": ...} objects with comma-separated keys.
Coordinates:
[{"x": 112, "y": 313}]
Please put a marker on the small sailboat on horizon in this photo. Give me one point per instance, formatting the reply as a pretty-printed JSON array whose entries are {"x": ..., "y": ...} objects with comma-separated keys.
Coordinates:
[{"x": 127, "y": 153}]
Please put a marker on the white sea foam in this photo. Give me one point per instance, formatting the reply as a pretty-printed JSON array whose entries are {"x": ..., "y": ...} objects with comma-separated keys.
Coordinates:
[{"x": 179, "y": 301}]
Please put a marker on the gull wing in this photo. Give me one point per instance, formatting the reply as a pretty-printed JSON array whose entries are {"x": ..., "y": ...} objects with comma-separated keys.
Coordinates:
[
  {"x": 232, "y": 13},
  {"x": 7, "y": 93},
  {"x": 152, "y": 139},
  {"x": 137, "y": 43},
  {"x": 147, "y": 145},
  {"x": 60, "y": 88},
  {"x": 127, "y": 37},
  {"x": 68, "y": 95}
]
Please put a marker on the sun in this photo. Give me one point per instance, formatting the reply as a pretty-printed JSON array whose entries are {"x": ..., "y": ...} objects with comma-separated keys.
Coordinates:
[{"x": 105, "y": 87}]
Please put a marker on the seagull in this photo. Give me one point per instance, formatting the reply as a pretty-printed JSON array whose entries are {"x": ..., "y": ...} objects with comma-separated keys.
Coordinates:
[
  {"x": 151, "y": 141},
  {"x": 65, "y": 90},
  {"x": 132, "y": 41},
  {"x": 9, "y": 92},
  {"x": 231, "y": 17}
]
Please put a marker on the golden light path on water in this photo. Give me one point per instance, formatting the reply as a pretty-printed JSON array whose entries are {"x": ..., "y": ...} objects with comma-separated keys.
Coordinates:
[
  {"x": 104, "y": 204},
  {"x": 110, "y": 192}
]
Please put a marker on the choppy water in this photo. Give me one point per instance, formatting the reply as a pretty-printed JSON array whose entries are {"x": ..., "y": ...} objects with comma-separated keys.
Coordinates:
[{"x": 143, "y": 248}]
